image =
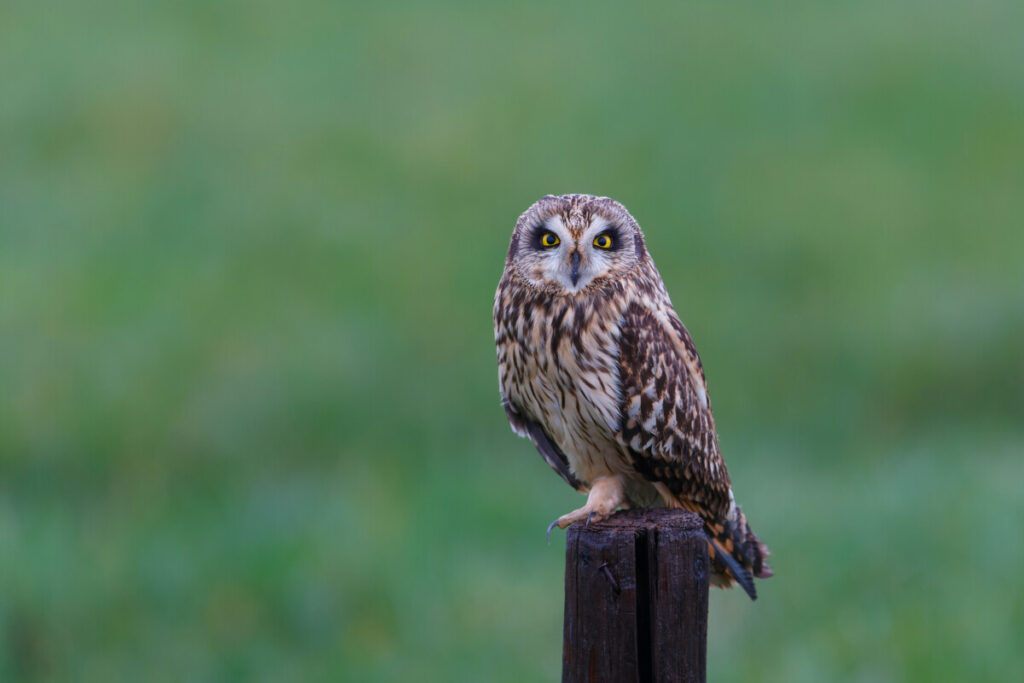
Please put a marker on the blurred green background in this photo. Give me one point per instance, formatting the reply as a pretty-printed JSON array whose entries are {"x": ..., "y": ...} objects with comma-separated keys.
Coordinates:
[{"x": 249, "y": 420}]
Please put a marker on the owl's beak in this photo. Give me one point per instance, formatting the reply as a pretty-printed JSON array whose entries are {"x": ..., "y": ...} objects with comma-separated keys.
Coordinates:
[{"x": 574, "y": 274}]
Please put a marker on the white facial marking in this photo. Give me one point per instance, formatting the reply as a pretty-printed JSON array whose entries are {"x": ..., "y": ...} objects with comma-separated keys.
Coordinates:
[{"x": 593, "y": 261}]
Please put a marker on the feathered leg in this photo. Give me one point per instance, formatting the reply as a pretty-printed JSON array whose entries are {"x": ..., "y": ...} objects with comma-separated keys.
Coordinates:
[{"x": 606, "y": 495}]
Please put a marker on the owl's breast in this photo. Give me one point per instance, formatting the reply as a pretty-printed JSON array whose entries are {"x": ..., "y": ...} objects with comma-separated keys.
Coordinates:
[{"x": 559, "y": 362}]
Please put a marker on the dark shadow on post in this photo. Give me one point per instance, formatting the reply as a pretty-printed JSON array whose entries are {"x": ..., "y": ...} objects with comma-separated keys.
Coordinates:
[{"x": 636, "y": 599}]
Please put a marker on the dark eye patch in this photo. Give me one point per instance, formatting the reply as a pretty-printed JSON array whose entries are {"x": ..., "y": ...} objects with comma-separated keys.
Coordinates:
[
  {"x": 537, "y": 232},
  {"x": 613, "y": 234}
]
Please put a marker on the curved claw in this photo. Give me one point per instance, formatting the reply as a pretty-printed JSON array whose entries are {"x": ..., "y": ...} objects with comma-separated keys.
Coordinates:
[
  {"x": 589, "y": 517},
  {"x": 550, "y": 527}
]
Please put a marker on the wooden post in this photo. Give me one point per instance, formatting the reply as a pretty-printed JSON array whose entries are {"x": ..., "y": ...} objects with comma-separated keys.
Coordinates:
[{"x": 636, "y": 599}]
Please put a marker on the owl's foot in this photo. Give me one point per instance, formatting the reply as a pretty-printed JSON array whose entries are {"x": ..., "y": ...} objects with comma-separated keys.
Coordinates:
[{"x": 606, "y": 495}]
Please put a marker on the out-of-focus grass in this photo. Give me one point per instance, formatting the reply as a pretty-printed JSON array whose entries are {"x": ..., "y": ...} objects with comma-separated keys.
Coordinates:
[{"x": 249, "y": 425}]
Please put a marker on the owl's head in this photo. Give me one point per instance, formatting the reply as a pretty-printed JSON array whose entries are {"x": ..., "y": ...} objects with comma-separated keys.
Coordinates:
[{"x": 575, "y": 242}]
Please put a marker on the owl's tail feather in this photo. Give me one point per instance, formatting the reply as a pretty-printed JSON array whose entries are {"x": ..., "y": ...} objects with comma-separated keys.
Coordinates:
[{"x": 737, "y": 552}]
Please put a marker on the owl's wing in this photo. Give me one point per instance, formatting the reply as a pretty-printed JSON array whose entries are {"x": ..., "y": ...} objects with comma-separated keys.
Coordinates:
[
  {"x": 667, "y": 430},
  {"x": 665, "y": 417},
  {"x": 551, "y": 453}
]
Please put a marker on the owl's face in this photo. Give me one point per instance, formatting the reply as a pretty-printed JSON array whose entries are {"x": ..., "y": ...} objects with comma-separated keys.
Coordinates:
[{"x": 567, "y": 244}]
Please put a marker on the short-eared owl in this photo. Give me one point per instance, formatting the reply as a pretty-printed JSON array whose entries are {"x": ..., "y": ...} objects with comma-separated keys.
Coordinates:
[{"x": 595, "y": 367}]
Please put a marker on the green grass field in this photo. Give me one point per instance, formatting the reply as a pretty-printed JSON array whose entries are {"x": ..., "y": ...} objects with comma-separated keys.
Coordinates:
[{"x": 249, "y": 421}]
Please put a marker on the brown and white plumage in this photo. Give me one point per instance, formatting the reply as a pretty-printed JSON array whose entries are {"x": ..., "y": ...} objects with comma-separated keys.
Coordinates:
[{"x": 596, "y": 368}]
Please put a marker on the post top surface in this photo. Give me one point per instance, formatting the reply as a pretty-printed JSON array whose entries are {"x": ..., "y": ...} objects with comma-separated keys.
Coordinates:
[{"x": 646, "y": 518}]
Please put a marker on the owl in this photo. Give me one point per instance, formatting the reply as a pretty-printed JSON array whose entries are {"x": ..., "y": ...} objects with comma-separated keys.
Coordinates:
[{"x": 595, "y": 367}]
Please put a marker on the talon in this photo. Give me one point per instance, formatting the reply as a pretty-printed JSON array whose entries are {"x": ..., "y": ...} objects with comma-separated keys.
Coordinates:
[
  {"x": 550, "y": 527},
  {"x": 605, "y": 495}
]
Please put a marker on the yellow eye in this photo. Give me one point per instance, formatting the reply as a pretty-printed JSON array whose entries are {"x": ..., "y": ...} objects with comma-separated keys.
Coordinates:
[
  {"x": 549, "y": 239},
  {"x": 603, "y": 242}
]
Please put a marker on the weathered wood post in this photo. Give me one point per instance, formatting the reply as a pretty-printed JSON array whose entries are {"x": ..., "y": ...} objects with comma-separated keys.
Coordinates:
[{"x": 636, "y": 599}]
